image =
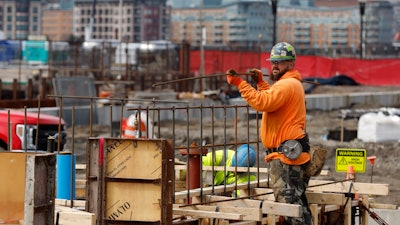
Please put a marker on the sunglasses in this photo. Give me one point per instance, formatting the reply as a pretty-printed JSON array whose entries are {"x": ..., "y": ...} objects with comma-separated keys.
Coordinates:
[{"x": 279, "y": 62}]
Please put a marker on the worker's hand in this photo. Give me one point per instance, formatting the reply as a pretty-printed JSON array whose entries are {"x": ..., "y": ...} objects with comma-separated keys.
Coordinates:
[
  {"x": 232, "y": 78},
  {"x": 257, "y": 75}
]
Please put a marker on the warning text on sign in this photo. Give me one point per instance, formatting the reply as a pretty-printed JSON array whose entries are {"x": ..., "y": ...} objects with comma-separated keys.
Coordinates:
[{"x": 350, "y": 157}]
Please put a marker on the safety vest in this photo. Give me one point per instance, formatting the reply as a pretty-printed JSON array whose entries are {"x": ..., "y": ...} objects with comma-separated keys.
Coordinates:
[
  {"x": 138, "y": 129},
  {"x": 220, "y": 176}
]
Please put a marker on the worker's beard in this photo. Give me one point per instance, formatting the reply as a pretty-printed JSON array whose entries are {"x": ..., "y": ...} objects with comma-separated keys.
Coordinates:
[{"x": 277, "y": 73}]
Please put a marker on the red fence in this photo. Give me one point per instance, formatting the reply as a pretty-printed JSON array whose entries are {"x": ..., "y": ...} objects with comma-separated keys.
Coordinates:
[{"x": 377, "y": 72}]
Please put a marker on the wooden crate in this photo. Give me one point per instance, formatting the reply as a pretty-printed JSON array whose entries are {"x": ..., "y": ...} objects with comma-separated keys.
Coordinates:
[
  {"x": 27, "y": 191},
  {"x": 130, "y": 180}
]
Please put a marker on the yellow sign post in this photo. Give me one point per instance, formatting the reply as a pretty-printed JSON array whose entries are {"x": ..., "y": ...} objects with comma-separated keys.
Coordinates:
[{"x": 354, "y": 157}]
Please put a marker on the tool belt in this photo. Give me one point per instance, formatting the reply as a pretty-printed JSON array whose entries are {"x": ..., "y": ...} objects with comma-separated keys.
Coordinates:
[
  {"x": 304, "y": 142},
  {"x": 291, "y": 152}
]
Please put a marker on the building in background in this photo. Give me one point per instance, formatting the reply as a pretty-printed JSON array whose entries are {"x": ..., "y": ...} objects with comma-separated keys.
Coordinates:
[
  {"x": 314, "y": 26},
  {"x": 332, "y": 28},
  {"x": 57, "y": 22},
  {"x": 244, "y": 24},
  {"x": 122, "y": 20},
  {"x": 19, "y": 19}
]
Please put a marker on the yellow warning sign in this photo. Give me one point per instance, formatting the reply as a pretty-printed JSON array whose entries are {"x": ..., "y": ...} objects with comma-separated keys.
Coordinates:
[{"x": 354, "y": 157}]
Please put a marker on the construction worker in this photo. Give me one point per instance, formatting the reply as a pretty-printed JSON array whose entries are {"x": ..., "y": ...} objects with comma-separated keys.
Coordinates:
[
  {"x": 138, "y": 126},
  {"x": 244, "y": 156},
  {"x": 283, "y": 125}
]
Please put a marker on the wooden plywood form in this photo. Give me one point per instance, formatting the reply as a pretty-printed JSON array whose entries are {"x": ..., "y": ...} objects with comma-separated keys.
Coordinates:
[
  {"x": 27, "y": 192},
  {"x": 40, "y": 189},
  {"x": 130, "y": 180},
  {"x": 12, "y": 189}
]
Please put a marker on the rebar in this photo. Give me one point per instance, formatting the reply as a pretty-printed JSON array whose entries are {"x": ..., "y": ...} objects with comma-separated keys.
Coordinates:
[{"x": 217, "y": 75}]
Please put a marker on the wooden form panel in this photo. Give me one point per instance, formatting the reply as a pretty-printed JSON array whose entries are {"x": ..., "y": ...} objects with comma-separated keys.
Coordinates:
[
  {"x": 40, "y": 188},
  {"x": 130, "y": 180},
  {"x": 12, "y": 168},
  {"x": 28, "y": 191}
]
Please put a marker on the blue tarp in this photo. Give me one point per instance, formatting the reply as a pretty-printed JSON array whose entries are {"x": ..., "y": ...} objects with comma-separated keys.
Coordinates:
[{"x": 6, "y": 51}]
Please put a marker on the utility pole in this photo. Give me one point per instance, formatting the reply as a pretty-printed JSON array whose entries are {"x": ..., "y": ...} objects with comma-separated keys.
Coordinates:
[
  {"x": 202, "y": 42},
  {"x": 362, "y": 12},
  {"x": 274, "y": 5}
]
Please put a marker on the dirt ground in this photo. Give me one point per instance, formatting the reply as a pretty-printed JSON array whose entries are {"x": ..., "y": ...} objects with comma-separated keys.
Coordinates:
[{"x": 386, "y": 169}]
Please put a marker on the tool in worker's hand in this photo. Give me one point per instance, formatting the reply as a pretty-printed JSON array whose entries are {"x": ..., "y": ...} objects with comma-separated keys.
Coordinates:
[
  {"x": 231, "y": 72},
  {"x": 217, "y": 75},
  {"x": 232, "y": 78},
  {"x": 257, "y": 75}
]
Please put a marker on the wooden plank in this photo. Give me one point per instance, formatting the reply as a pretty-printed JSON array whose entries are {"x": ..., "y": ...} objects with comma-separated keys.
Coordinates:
[
  {"x": 80, "y": 188},
  {"x": 270, "y": 220},
  {"x": 314, "y": 213},
  {"x": 347, "y": 213},
  {"x": 325, "y": 198},
  {"x": 67, "y": 203},
  {"x": 331, "y": 208},
  {"x": 364, "y": 214},
  {"x": 254, "y": 214},
  {"x": 343, "y": 187},
  {"x": 80, "y": 166},
  {"x": 70, "y": 216},
  {"x": 251, "y": 203},
  {"x": 268, "y": 207},
  {"x": 244, "y": 223},
  {"x": 282, "y": 209},
  {"x": 383, "y": 206},
  {"x": 263, "y": 194},
  {"x": 217, "y": 189},
  {"x": 207, "y": 214},
  {"x": 312, "y": 197}
]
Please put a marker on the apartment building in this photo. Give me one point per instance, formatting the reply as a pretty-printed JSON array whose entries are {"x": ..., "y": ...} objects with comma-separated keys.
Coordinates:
[
  {"x": 322, "y": 28},
  {"x": 250, "y": 23},
  {"x": 127, "y": 20},
  {"x": 244, "y": 24},
  {"x": 57, "y": 24},
  {"x": 19, "y": 19}
]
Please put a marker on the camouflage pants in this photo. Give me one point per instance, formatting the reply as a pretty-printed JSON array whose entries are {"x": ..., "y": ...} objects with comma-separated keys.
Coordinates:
[{"x": 289, "y": 184}]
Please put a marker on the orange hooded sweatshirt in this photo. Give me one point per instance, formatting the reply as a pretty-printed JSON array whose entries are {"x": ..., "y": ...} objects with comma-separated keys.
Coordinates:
[{"x": 283, "y": 107}]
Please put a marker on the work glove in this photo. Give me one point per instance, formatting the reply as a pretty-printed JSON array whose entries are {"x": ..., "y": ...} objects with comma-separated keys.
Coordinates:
[
  {"x": 257, "y": 76},
  {"x": 232, "y": 77}
]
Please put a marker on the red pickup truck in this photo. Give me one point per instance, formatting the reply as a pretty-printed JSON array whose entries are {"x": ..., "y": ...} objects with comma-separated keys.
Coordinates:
[{"x": 27, "y": 133}]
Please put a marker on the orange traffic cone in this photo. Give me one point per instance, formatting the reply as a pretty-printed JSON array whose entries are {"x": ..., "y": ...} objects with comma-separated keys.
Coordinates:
[{"x": 350, "y": 173}]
